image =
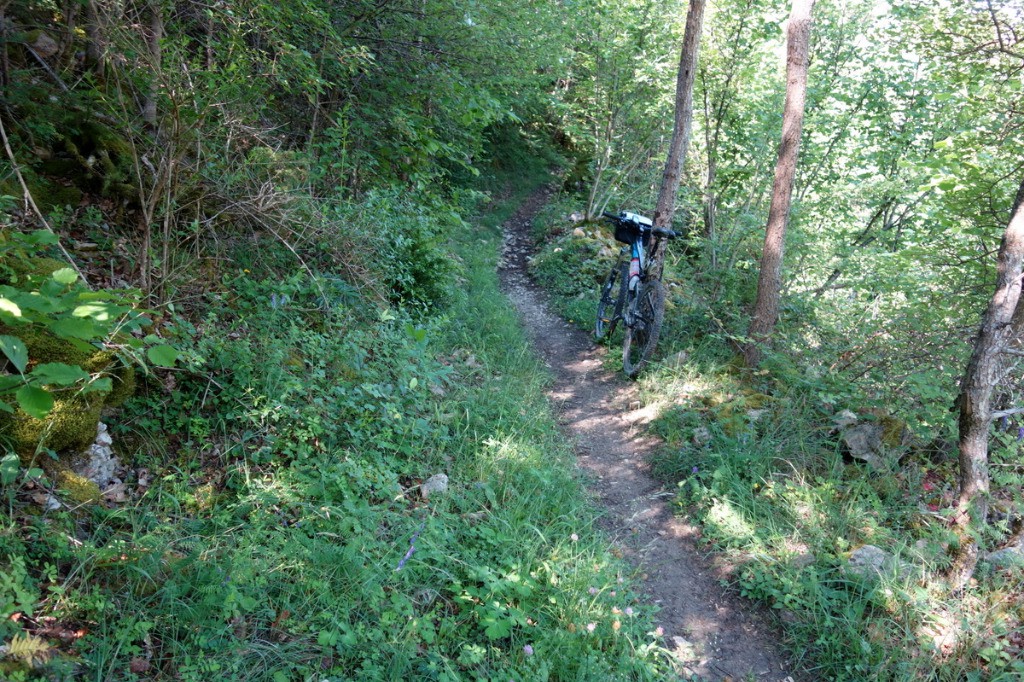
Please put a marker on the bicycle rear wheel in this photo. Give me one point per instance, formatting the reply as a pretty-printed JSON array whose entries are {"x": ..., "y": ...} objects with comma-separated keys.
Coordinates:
[
  {"x": 609, "y": 308},
  {"x": 642, "y": 336}
]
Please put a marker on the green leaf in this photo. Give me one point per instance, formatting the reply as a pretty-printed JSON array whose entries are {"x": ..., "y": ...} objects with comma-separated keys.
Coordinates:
[
  {"x": 59, "y": 373},
  {"x": 9, "y": 466},
  {"x": 99, "y": 311},
  {"x": 105, "y": 384},
  {"x": 65, "y": 276},
  {"x": 75, "y": 328},
  {"x": 9, "y": 306},
  {"x": 497, "y": 627},
  {"x": 162, "y": 356},
  {"x": 35, "y": 401},
  {"x": 37, "y": 238},
  {"x": 15, "y": 350}
]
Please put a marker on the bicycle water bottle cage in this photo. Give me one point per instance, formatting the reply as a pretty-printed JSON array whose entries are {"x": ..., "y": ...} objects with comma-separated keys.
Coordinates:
[{"x": 629, "y": 225}]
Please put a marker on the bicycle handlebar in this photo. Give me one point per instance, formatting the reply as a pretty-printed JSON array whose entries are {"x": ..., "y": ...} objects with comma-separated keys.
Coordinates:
[{"x": 657, "y": 231}]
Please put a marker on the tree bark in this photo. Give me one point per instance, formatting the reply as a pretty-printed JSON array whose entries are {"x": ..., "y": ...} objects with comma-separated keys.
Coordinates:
[
  {"x": 95, "y": 50},
  {"x": 156, "y": 35},
  {"x": 683, "y": 125},
  {"x": 1001, "y": 326},
  {"x": 769, "y": 283}
]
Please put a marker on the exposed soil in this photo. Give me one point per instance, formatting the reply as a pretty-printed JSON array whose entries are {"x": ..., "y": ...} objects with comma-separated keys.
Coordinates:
[{"x": 711, "y": 631}]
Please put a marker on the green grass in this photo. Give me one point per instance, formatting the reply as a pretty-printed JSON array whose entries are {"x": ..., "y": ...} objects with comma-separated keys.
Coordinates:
[
  {"x": 273, "y": 539},
  {"x": 757, "y": 465}
]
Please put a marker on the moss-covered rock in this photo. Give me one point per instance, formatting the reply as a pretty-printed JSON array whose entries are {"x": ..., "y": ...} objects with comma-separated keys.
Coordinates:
[
  {"x": 71, "y": 424},
  {"x": 78, "y": 488},
  {"x": 14, "y": 270}
]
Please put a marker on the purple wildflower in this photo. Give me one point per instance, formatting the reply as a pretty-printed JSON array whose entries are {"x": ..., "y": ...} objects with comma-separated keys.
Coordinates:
[
  {"x": 694, "y": 471},
  {"x": 528, "y": 650},
  {"x": 1020, "y": 433}
]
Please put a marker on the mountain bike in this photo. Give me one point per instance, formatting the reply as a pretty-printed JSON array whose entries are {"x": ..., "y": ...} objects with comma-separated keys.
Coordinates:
[{"x": 631, "y": 294}]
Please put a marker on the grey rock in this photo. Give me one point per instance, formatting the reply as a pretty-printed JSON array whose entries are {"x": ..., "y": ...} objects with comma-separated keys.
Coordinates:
[
  {"x": 869, "y": 561},
  {"x": 436, "y": 484},
  {"x": 98, "y": 462},
  {"x": 845, "y": 419},
  {"x": 1008, "y": 557},
  {"x": 864, "y": 442},
  {"x": 44, "y": 45},
  {"x": 803, "y": 560}
]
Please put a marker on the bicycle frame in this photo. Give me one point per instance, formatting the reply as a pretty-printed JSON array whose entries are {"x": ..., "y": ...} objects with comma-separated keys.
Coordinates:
[{"x": 640, "y": 301}]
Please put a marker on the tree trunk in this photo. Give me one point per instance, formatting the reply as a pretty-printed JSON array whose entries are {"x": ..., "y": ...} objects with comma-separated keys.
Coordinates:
[
  {"x": 769, "y": 283},
  {"x": 156, "y": 35},
  {"x": 95, "y": 48},
  {"x": 683, "y": 125},
  {"x": 1001, "y": 326}
]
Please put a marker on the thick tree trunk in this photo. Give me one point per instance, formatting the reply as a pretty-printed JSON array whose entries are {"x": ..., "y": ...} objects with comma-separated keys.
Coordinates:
[
  {"x": 683, "y": 125},
  {"x": 1001, "y": 326},
  {"x": 769, "y": 283}
]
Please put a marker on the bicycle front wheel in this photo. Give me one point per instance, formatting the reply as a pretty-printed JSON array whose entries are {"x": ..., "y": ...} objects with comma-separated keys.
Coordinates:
[
  {"x": 609, "y": 308},
  {"x": 642, "y": 335}
]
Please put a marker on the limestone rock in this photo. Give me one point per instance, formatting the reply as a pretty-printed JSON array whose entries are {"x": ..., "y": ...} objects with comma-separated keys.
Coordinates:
[
  {"x": 99, "y": 464},
  {"x": 869, "y": 561},
  {"x": 44, "y": 45},
  {"x": 864, "y": 442},
  {"x": 436, "y": 484},
  {"x": 803, "y": 560},
  {"x": 1008, "y": 557},
  {"x": 845, "y": 419}
]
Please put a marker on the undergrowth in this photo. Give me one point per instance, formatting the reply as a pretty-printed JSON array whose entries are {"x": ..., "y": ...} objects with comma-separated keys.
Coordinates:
[
  {"x": 758, "y": 464},
  {"x": 274, "y": 527}
]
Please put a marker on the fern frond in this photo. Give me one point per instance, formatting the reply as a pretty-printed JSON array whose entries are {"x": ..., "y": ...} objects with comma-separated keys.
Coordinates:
[{"x": 28, "y": 649}]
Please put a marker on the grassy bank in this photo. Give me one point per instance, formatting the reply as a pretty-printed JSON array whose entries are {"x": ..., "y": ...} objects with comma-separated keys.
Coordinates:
[{"x": 274, "y": 528}]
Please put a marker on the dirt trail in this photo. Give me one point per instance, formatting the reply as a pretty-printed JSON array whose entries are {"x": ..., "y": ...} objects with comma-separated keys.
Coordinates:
[{"x": 711, "y": 632}]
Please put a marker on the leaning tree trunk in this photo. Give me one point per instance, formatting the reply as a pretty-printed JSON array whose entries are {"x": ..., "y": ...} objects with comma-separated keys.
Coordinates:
[
  {"x": 683, "y": 125},
  {"x": 769, "y": 283},
  {"x": 1001, "y": 327}
]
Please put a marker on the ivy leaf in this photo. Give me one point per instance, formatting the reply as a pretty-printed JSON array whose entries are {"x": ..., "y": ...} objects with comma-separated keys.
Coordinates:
[
  {"x": 15, "y": 350},
  {"x": 65, "y": 276},
  {"x": 162, "y": 356},
  {"x": 35, "y": 401},
  {"x": 59, "y": 373}
]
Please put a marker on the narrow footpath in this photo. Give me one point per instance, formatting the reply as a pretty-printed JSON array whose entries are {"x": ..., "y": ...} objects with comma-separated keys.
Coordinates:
[{"x": 710, "y": 632}]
